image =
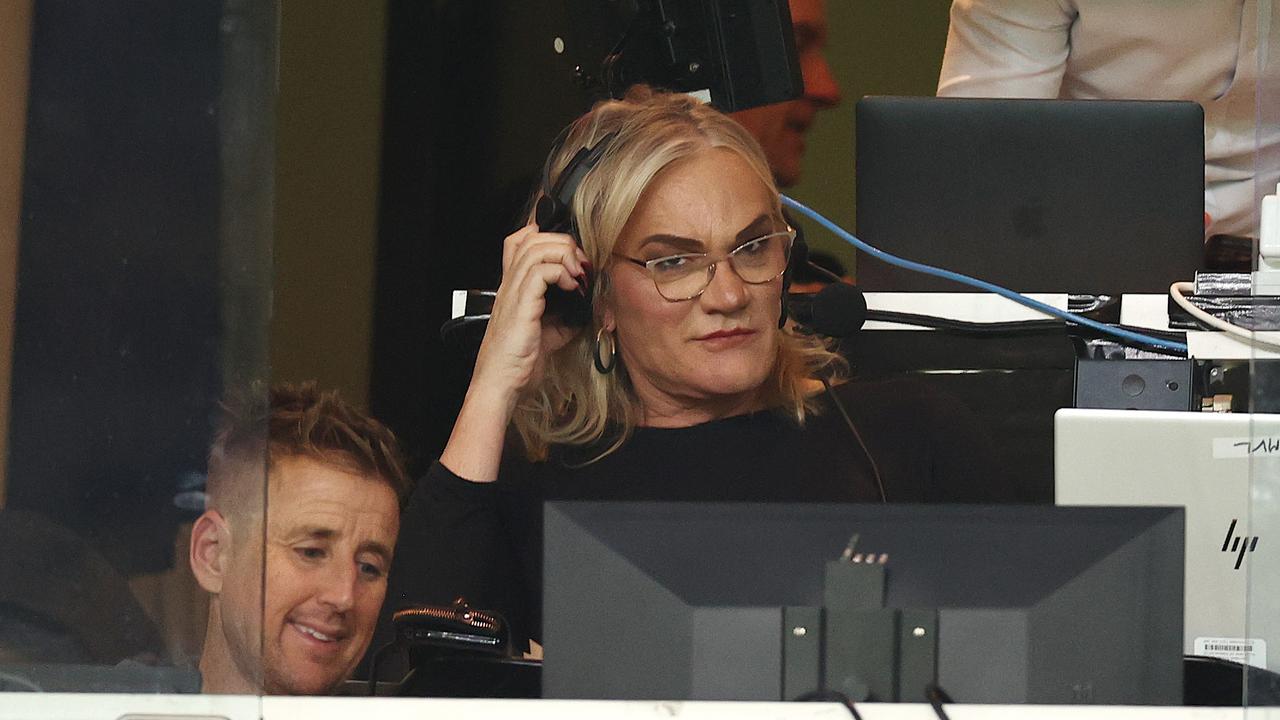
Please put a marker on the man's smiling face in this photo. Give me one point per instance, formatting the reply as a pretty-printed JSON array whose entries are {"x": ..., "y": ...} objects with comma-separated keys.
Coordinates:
[{"x": 329, "y": 539}]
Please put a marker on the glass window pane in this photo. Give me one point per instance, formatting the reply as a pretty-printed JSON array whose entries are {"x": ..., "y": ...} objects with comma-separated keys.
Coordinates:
[
  {"x": 135, "y": 271},
  {"x": 1260, "y": 560}
]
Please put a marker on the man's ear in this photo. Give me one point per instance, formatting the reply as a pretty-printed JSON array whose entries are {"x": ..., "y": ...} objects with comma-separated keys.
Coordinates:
[{"x": 210, "y": 550}]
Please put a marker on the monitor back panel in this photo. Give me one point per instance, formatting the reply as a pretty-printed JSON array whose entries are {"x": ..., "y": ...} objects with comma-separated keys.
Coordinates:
[
  {"x": 683, "y": 600},
  {"x": 1036, "y": 195},
  {"x": 1211, "y": 464}
]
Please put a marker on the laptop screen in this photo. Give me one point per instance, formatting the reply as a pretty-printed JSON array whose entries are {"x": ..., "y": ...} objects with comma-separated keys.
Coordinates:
[{"x": 1096, "y": 197}]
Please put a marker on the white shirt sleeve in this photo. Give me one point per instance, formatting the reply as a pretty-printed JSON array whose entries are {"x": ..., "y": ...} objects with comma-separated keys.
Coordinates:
[{"x": 1006, "y": 48}]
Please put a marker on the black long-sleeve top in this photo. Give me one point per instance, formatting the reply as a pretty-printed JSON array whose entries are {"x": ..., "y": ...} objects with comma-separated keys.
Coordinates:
[{"x": 483, "y": 541}]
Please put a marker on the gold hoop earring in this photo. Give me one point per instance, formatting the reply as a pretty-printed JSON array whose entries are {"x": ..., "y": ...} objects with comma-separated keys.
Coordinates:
[{"x": 601, "y": 367}]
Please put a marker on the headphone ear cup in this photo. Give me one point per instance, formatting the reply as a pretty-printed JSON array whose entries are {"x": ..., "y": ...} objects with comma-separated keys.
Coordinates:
[{"x": 548, "y": 213}]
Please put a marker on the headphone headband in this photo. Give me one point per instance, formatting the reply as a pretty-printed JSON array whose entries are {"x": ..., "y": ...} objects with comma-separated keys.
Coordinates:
[{"x": 553, "y": 212}]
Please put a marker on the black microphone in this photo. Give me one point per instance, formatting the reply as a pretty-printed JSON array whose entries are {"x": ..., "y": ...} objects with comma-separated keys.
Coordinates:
[{"x": 838, "y": 310}]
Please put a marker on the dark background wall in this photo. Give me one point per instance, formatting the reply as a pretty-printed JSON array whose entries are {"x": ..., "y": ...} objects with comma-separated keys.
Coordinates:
[
  {"x": 144, "y": 259},
  {"x": 474, "y": 98},
  {"x": 115, "y": 363}
]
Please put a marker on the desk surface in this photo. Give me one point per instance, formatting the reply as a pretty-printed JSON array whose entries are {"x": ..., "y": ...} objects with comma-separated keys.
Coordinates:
[{"x": 62, "y": 706}]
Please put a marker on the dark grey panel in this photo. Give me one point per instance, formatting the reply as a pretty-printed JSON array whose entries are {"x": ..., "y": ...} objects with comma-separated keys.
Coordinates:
[
  {"x": 1036, "y": 195},
  {"x": 1038, "y": 604}
]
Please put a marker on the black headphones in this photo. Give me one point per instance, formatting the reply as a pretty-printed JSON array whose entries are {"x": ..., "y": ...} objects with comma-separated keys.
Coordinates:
[{"x": 554, "y": 213}]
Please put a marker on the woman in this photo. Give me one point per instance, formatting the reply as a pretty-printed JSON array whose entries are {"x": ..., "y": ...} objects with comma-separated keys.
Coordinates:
[{"x": 683, "y": 386}]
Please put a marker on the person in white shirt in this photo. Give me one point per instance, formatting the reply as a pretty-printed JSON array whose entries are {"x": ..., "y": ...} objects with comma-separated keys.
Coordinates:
[{"x": 1223, "y": 54}]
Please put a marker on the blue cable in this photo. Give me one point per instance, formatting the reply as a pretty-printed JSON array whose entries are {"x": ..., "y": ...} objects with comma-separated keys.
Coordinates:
[{"x": 981, "y": 284}]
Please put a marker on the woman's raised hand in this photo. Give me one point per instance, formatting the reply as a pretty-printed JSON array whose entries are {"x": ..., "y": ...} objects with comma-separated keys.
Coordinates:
[
  {"x": 516, "y": 345},
  {"x": 521, "y": 335}
]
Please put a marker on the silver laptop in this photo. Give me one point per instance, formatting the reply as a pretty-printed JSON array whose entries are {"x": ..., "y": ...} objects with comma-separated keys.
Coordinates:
[{"x": 1225, "y": 469}]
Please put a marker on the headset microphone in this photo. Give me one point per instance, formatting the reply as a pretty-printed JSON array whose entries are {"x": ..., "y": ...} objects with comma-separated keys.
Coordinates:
[{"x": 838, "y": 310}]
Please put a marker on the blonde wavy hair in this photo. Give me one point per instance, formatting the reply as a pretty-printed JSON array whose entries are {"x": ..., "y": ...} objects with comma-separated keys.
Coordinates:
[{"x": 574, "y": 405}]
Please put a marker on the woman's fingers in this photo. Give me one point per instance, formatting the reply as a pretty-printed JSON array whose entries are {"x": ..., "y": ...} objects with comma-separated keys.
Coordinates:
[
  {"x": 548, "y": 251},
  {"x": 532, "y": 290},
  {"x": 516, "y": 341},
  {"x": 528, "y": 240},
  {"x": 513, "y": 243}
]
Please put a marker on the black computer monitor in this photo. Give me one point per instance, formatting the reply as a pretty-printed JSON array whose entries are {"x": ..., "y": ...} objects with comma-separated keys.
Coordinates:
[
  {"x": 1035, "y": 604},
  {"x": 1080, "y": 196}
]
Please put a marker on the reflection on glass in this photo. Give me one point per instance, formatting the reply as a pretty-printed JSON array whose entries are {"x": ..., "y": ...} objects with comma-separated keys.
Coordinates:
[
  {"x": 1260, "y": 559},
  {"x": 138, "y": 212}
]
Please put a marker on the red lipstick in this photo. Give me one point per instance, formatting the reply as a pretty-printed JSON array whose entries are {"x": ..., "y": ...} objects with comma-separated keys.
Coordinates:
[{"x": 736, "y": 332}]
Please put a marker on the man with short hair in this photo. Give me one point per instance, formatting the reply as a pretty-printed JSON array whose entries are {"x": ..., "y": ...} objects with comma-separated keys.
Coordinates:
[
  {"x": 780, "y": 128},
  {"x": 333, "y": 487}
]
